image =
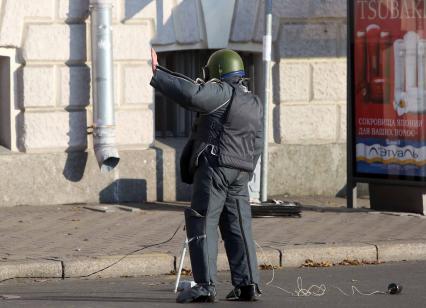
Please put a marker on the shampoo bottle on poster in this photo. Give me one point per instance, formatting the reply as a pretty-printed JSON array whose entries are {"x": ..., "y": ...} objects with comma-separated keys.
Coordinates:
[
  {"x": 361, "y": 67},
  {"x": 421, "y": 63},
  {"x": 421, "y": 75},
  {"x": 411, "y": 88},
  {"x": 374, "y": 80},
  {"x": 385, "y": 65},
  {"x": 399, "y": 76}
]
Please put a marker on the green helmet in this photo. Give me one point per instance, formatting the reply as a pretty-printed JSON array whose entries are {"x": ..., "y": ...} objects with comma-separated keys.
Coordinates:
[{"x": 222, "y": 64}]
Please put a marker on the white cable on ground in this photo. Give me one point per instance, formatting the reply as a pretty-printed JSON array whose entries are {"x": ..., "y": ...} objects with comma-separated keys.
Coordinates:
[
  {"x": 313, "y": 290},
  {"x": 356, "y": 290}
]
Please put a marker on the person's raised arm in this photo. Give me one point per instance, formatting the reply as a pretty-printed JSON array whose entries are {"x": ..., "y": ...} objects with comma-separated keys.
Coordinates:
[
  {"x": 199, "y": 97},
  {"x": 154, "y": 60}
]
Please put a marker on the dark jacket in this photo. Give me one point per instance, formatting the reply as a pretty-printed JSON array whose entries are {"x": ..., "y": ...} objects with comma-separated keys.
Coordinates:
[{"x": 228, "y": 124}]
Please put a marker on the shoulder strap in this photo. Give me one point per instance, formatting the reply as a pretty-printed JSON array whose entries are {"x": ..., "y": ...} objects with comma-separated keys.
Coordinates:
[{"x": 226, "y": 115}]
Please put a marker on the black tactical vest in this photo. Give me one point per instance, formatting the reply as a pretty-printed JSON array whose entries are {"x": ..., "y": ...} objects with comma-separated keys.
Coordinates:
[
  {"x": 237, "y": 140},
  {"x": 229, "y": 133}
]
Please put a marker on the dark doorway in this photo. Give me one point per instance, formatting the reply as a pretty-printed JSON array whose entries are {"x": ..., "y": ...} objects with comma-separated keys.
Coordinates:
[{"x": 171, "y": 120}]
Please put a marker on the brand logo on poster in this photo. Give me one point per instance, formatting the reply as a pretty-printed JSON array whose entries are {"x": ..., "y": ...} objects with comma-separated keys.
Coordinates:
[
  {"x": 391, "y": 9},
  {"x": 386, "y": 153},
  {"x": 391, "y": 155}
]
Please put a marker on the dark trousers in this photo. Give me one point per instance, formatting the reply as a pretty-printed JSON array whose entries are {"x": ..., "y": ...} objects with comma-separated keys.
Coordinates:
[{"x": 220, "y": 198}]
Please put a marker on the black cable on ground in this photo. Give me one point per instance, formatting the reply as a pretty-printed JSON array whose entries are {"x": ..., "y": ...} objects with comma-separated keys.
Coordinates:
[{"x": 112, "y": 264}]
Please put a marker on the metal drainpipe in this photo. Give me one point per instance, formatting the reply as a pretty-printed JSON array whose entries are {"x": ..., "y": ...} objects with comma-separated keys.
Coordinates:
[{"x": 102, "y": 85}]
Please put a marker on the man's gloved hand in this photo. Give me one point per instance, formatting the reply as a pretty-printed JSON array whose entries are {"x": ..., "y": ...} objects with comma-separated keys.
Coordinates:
[{"x": 154, "y": 60}]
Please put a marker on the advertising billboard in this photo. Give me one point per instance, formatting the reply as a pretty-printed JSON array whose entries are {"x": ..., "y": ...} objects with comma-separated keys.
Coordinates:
[{"x": 388, "y": 48}]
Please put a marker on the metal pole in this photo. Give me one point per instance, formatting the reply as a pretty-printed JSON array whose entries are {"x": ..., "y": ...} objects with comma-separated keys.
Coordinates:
[
  {"x": 182, "y": 258},
  {"x": 102, "y": 85},
  {"x": 351, "y": 188},
  {"x": 267, "y": 46}
]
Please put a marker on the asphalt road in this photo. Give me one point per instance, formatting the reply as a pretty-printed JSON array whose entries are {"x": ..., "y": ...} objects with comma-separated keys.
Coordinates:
[{"x": 157, "y": 291}]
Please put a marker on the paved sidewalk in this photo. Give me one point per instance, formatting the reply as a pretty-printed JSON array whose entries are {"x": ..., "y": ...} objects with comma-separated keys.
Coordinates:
[{"x": 72, "y": 241}]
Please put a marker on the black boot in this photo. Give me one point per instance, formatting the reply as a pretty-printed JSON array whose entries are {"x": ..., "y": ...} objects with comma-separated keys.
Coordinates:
[
  {"x": 197, "y": 294},
  {"x": 248, "y": 293}
]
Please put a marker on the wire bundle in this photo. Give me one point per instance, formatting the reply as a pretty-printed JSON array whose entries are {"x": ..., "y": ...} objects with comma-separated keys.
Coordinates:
[{"x": 313, "y": 290}]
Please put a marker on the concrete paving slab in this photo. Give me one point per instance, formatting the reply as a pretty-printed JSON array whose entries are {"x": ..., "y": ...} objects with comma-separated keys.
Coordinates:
[
  {"x": 128, "y": 208},
  {"x": 102, "y": 208}
]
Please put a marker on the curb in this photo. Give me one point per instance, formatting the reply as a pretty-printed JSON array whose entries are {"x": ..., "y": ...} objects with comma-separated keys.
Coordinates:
[
  {"x": 133, "y": 265},
  {"x": 294, "y": 256},
  {"x": 401, "y": 250},
  {"x": 26, "y": 269},
  {"x": 161, "y": 263}
]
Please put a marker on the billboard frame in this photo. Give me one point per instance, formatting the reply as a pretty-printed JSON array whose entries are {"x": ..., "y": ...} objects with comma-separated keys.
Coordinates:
[{"x": 352, "y": 176}]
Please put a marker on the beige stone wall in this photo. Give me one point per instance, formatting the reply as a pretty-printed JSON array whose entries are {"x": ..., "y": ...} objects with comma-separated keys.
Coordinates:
[
  {"x": 49, "y": 45},
  {"x": 53, "y": 101},
  {"x": 310, "y": 101},
  {"x": 309, "y": 73},
  {"x": 52, "y": 44}
]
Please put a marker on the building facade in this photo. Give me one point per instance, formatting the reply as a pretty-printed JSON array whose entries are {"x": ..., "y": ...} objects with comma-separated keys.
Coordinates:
[{"x": 46, "y": 152}]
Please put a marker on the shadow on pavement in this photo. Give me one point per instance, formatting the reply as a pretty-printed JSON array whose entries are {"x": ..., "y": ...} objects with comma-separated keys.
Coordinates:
[
  {"x": 330, "y": 209},
  {"x": 160, "y": 206},
  {"x": 97, "y": 299}
]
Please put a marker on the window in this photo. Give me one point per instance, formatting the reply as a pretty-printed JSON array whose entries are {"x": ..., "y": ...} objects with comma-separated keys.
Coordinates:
[
  {"x": 5, "y": 127},
  {"x": 171, "y": 120},
  {"x": 9, "y": 109}
]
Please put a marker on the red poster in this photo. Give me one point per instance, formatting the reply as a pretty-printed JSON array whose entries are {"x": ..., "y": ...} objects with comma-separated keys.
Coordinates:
[{"x": 390, "y": 87}]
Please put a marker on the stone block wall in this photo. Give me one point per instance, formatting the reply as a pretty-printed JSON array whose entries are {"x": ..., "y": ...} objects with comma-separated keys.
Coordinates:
[
  {"x": 53, "y": 47},
  {"x": 52, "y": 94},
  {"x": 53, "y": 101},
  {"x": 309, "y": 73},
  {"x": 310, "y": 101}
]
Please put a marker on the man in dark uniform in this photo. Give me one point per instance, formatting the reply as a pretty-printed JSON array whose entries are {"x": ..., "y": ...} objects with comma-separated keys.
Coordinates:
[{"x": 219, "y": 159}]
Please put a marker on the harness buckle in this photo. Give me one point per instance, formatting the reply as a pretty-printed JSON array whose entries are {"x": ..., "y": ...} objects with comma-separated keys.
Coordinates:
[{"x": 213, "y": 149}]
